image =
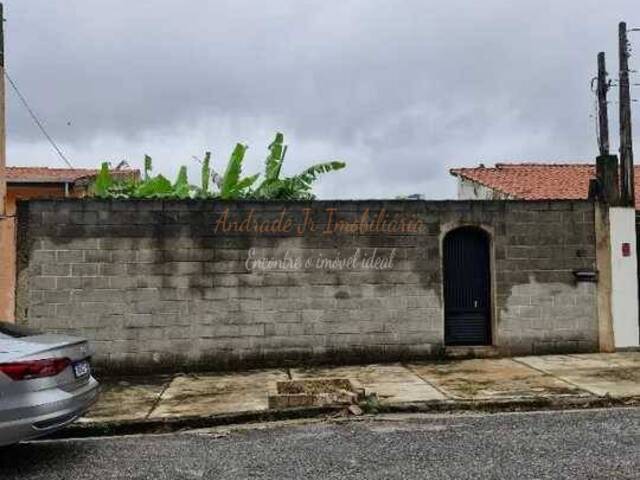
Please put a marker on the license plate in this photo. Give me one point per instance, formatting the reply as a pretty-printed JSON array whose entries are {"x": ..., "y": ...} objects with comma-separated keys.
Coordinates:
[{"x": 82, "y": 368}]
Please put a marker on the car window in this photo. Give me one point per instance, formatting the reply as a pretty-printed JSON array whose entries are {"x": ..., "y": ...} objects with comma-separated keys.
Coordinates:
[{"x": 12, "y": 330}]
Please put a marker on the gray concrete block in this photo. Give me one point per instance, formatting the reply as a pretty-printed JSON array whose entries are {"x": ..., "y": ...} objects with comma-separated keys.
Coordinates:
[
  {"x": 55, "y": 269},
  {"x": 43, "y": 283},
  {"x": 70, "y": 256},
  {"x": 84, "y": 269}
]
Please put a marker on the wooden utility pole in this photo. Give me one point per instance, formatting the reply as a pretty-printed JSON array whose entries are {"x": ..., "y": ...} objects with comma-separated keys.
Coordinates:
[
  {"x": 3, "y": 177},
  {"x": 603, "y": 114},
  {"x": 627, "y": 196}
]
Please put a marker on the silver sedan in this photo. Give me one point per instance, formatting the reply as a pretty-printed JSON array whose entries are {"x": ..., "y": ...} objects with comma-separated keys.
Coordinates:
[{"x": 45, "y": 382}]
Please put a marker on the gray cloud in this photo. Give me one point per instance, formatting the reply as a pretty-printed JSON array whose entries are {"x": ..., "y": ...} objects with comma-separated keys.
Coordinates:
[{"x": 401, "y": 90}]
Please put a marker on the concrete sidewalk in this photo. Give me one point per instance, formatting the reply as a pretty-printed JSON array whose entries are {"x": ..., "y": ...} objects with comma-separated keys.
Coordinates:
[{"x": 456, "y": 383}]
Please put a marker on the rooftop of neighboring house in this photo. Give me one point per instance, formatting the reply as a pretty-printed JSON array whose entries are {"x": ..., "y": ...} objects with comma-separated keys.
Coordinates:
[
  {"x": 46, "y": 175},
  {"x": 537, "y": 181}
]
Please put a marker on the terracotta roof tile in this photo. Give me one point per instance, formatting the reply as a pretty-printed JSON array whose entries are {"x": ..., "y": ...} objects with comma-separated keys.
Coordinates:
[
  {"x": 538, "y": 181},
  {"x": 53, "y": 175}
]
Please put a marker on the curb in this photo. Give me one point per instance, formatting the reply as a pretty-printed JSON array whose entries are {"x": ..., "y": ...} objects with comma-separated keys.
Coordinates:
[
  {"x": 175, "y": 424},
  {"x": 512, "y": 405}
]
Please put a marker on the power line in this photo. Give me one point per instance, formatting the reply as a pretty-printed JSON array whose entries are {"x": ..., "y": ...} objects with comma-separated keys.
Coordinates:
[{"x": 37, "y": 121}]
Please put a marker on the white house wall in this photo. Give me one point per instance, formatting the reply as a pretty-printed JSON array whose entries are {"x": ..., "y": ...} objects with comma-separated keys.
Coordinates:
[{"x": 469, "y": 190}]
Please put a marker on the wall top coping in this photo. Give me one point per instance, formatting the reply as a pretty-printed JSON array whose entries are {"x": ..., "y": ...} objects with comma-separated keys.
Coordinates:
[{"x": 244, "y": 203}]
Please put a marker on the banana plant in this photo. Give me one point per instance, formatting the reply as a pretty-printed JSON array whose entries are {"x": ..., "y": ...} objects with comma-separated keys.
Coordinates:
[
  {"x": 182, "y": 189},
  {"x": 208, "y": 176},
  {"x": 300, "y": 186},
  {"x": 205, "y": 176},
  {"x": 297, "y": 187},
  {"x": 233, "y": 186},
  {"x": 273, "y": 166},
  {"x": 148, "y": 166},
  {"x": 152, "y": 187},
  {"x": 105, "y": 186},
  {"x": 103, "y": 183},
  {"x": 230, "y": 186}
]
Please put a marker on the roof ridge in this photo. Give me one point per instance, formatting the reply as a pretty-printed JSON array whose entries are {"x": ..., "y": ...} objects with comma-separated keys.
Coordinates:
[
  {"x": 544, "y": 164},
  {"x": 26, "y": 174},
  {"x": 500, "y": 166},
  {"x": 46, "y": 168}
]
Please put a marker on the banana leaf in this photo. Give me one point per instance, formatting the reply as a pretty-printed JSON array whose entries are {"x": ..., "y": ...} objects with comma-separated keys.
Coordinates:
[
  {"x": 103, "y": 181},
  {"x": 155, "y": 187}
]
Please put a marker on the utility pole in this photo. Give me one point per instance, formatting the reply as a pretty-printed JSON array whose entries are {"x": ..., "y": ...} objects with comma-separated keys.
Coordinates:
[
  {"x": 603, "y": 114},
  {"x": 3, "y": 176},
  {"x": 606, "y": 185},
  {"x": 627, "y": 197}
]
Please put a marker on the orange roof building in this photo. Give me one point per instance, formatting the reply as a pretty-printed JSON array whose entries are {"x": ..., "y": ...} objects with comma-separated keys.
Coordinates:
[
  {"x": 43, "y": 182},
  {"x": 25, "y": 183},
  {"x": 529, "y": 181}
]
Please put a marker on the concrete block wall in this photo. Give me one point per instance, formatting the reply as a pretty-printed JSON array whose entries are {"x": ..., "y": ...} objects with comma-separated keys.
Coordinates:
[
  {"x": 542, "y": 309},
  {"x": 162, "y": 285}
]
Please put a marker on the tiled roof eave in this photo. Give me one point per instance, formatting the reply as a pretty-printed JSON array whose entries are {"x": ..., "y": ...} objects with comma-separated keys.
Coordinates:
[
  {"x": 39, "y": 180},
  {"x": 508, "y": 195}
]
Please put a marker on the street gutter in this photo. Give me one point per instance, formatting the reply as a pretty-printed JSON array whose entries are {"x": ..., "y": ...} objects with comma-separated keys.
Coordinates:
[{"x": 175, "y": 424}]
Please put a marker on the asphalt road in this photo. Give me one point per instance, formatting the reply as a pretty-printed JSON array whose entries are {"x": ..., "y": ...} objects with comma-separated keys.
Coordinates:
[{"x": 577, "y": 445}]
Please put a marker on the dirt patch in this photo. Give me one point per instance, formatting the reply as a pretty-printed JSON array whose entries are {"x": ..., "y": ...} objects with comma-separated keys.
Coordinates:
[
  {"x": 127, "y": 398},
  {"x": 315, "y": 392},
  {"x": 313, "y": 386},
  {"x": 628, "y": 374}
]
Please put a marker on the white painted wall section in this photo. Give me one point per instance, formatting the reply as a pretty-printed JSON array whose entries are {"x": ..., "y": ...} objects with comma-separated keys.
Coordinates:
[
  {"x": 469, "y": 190},
  {"x": 624, "y": 277}
]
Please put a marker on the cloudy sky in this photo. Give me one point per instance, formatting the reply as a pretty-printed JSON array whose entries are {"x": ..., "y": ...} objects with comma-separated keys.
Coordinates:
[{"x": 401, "y": 90}]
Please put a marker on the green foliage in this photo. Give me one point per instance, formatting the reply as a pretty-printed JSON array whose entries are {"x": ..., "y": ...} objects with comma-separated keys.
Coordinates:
[
  {"x": 303, "y": 182},
  {"x": 122, "y": 190},
  {"x": 277, "y": 151},
  {"x": 147, "y": 166},
  {"x": 105, "y": 186},
  {"x": 273, "y": 166},
  {"x": 182, "y": 189},
  {"x": 372, "y": 404},
  {"x": 154, "y": 187},
  {"x": 298, "y": 187},
  {"x": 232, "y": 185},
  {"x": 205, "y": 175},
  {"x": 234, "y": 170},
  {"x": 103, "y": 182}
]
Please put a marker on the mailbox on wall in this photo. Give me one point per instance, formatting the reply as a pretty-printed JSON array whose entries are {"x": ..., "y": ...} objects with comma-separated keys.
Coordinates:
[
  {"x": 586, "y": 276},
  {"x": 626, "y": 249}
]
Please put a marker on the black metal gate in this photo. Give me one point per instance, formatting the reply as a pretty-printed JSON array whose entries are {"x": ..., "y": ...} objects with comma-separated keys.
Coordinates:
[{"x": 467, "y": 291}]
